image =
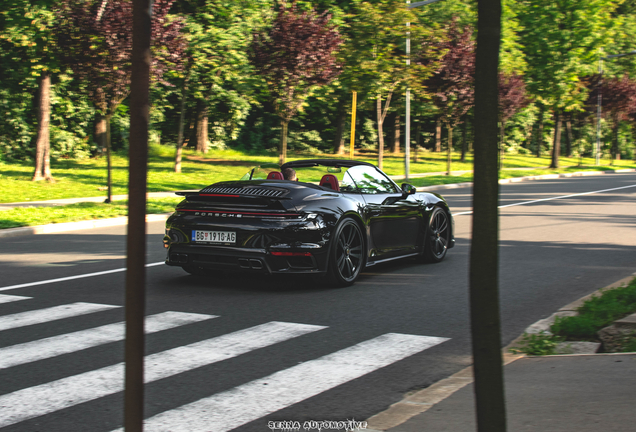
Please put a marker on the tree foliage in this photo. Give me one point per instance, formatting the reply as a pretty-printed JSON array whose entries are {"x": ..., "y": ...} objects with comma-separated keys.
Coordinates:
[
  {"x": 30, "y": 28},
  {"x": 294, "y": 56},
  {"x": 618, "y": 98},
  {"x": 452, "y": 84},
  {"x": 210, "y": 93},
  {"x": 96, "y": 40}
]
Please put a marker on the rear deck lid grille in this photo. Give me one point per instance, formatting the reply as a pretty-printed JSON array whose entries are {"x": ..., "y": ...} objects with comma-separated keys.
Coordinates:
[{"x": 249, "y": 190}]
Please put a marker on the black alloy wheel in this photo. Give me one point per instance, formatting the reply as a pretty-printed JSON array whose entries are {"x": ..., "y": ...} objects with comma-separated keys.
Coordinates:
[
  {"x": 437, "y": 236},
  {"x": 347, "y": 254}
]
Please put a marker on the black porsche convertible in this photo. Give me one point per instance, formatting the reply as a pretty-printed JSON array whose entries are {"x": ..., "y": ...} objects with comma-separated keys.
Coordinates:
[{"x": 327, "y": 217}]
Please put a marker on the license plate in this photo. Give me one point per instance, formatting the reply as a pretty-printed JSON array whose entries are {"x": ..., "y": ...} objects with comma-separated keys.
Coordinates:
[{"x": 214, "y": 236}]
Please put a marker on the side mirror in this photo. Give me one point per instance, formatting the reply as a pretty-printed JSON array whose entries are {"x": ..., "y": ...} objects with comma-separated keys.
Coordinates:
[{"x": 408, "y": 189}]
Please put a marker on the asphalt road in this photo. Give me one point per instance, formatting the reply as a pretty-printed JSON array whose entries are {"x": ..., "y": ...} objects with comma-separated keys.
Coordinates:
[{"x": 263, "y": 349}]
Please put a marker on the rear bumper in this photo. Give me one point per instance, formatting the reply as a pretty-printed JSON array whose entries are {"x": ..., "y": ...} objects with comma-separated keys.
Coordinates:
[{"x": 299, "y": 260}]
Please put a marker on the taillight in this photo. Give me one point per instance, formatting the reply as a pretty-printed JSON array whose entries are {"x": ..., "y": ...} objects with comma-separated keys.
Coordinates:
[{"x": 287, "y": 254}]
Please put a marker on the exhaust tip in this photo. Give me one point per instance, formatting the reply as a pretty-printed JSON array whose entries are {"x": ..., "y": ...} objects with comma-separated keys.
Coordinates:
[{"x": 256, "y": 264}]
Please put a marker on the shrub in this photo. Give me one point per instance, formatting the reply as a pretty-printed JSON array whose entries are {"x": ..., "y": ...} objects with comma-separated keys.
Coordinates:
[
  {"x": 537, "y": 344},
  {"x": 597, "y": 312}
]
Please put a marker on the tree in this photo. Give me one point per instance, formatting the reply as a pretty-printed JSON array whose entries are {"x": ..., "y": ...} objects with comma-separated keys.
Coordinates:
[
  {"x": 512, "y": 98},
  {"x": 29, "y": 26},
  {"x": 218, "y": 79},
  {"x": 452, "y": 85},
  {"x": 618, "y": 103},
  {"x": 96, "y": 38},
  {"x": 560, "y": 42},
  {"x": 295, "y": 56},
  {"x": 376, "y": 57}
]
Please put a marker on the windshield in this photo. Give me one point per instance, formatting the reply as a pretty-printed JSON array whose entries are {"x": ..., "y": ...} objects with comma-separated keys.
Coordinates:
[{"x": 260, "y": 172}]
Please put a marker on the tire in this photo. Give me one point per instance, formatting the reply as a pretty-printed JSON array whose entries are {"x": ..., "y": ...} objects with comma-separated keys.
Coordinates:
[
  {"x": 346, "y": 255},
  {"x": 437, "y": 236}
]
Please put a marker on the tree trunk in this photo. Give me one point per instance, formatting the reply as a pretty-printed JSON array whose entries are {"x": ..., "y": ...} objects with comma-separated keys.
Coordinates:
[
  {"x": 438, "y": 135},
  {"x": 614, "y": 151},
  {"x": 502, "y": 135},
  {"x": 464, "y": 138},
  {"x": 485, "y": 321},
  {"x": 527, "y": 143},
  {"x": 109, "y": 168},
  {"x": 556, "y": 147},
  {"x": 136, "y": 237},
  {"x": 396, "y": 135},
  {"x": 540, "y": 131},
  {"x": 380, "y": 132},
  {"x": 42, "y": 145},
  {"x": 338, "y": 140},
  {"x": 570, "y": 136},
  {"x": 418, "y": 133},
  {"x": 202, "y": 127},
  {"x": 381, "y": 113},
  {"x": 282, "y": 155},
  {"x": 100, "y": 133},
  {"x": 179, "y": 149},
  {"x": 191, "y": 133},
  {"x": 449, "y": 150}
]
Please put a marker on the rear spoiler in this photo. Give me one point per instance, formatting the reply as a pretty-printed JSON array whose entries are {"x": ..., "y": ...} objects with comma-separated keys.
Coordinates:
[{"x": 186, "y": 192}]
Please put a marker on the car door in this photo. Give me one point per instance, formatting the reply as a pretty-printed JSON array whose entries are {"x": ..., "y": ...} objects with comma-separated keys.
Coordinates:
[{"x": 393, "y": 218}]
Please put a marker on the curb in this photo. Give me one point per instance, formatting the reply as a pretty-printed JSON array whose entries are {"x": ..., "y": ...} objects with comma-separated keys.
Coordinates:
[
  {"x": 72, "y": 226},
  {"x": 423, "y": 400}
]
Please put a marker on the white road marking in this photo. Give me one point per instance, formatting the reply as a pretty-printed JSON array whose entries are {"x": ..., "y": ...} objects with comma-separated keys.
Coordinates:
[
  {"x": 11, "y": 298},
  {"x": 44, "y": 282},
  {"x": 70, "y": 342},
  {"x": 66, "y": 392},
  {"x": 50, "y": 314},
  {"x": 251, "y": 401},
  {"x": 552, "y": 198}
]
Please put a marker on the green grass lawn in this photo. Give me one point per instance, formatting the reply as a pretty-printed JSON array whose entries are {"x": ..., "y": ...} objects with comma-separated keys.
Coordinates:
[
  {"x": 87, "y": 178},
  {"x": 32, "y": 216}
]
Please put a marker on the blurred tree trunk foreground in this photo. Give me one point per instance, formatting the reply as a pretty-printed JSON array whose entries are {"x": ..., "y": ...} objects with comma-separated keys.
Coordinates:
[{"x": 484, "y": 253}]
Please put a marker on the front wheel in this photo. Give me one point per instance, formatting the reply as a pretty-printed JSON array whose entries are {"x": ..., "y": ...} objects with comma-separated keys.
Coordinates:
[
  {"x": 437, "y": 236},
  {"x": 346, "y": 256}
]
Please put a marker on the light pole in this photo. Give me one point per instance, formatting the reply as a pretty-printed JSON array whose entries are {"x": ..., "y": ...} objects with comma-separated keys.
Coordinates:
[
  {"x": 407, "y": 121},
  {"x": 600, "y": 101}
]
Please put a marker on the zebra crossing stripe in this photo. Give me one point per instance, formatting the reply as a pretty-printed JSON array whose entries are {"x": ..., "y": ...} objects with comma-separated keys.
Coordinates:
[
  {"x": 11, "y": 298},
  {"x": 256, "y": 399},
  {"x": 40, "y": 316},
  {"x": 70, "y": 342},
  {"x": 66, "y": 392}
]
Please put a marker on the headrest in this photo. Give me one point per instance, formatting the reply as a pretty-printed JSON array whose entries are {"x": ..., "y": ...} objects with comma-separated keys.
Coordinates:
[
  {"x": 275, "y": 175},
  {"x": 330, "y": 181}
]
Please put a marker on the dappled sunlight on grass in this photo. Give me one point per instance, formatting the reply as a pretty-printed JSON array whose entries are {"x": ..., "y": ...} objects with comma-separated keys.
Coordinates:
[
  {"x": 31, "y": 216},
  {"x": 87, "y": 178}
]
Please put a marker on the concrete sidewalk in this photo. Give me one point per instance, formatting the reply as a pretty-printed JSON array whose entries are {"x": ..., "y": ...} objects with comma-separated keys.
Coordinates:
[
  {"x": 580, "y": 392},
  {"x": 572, "y": 393}
]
